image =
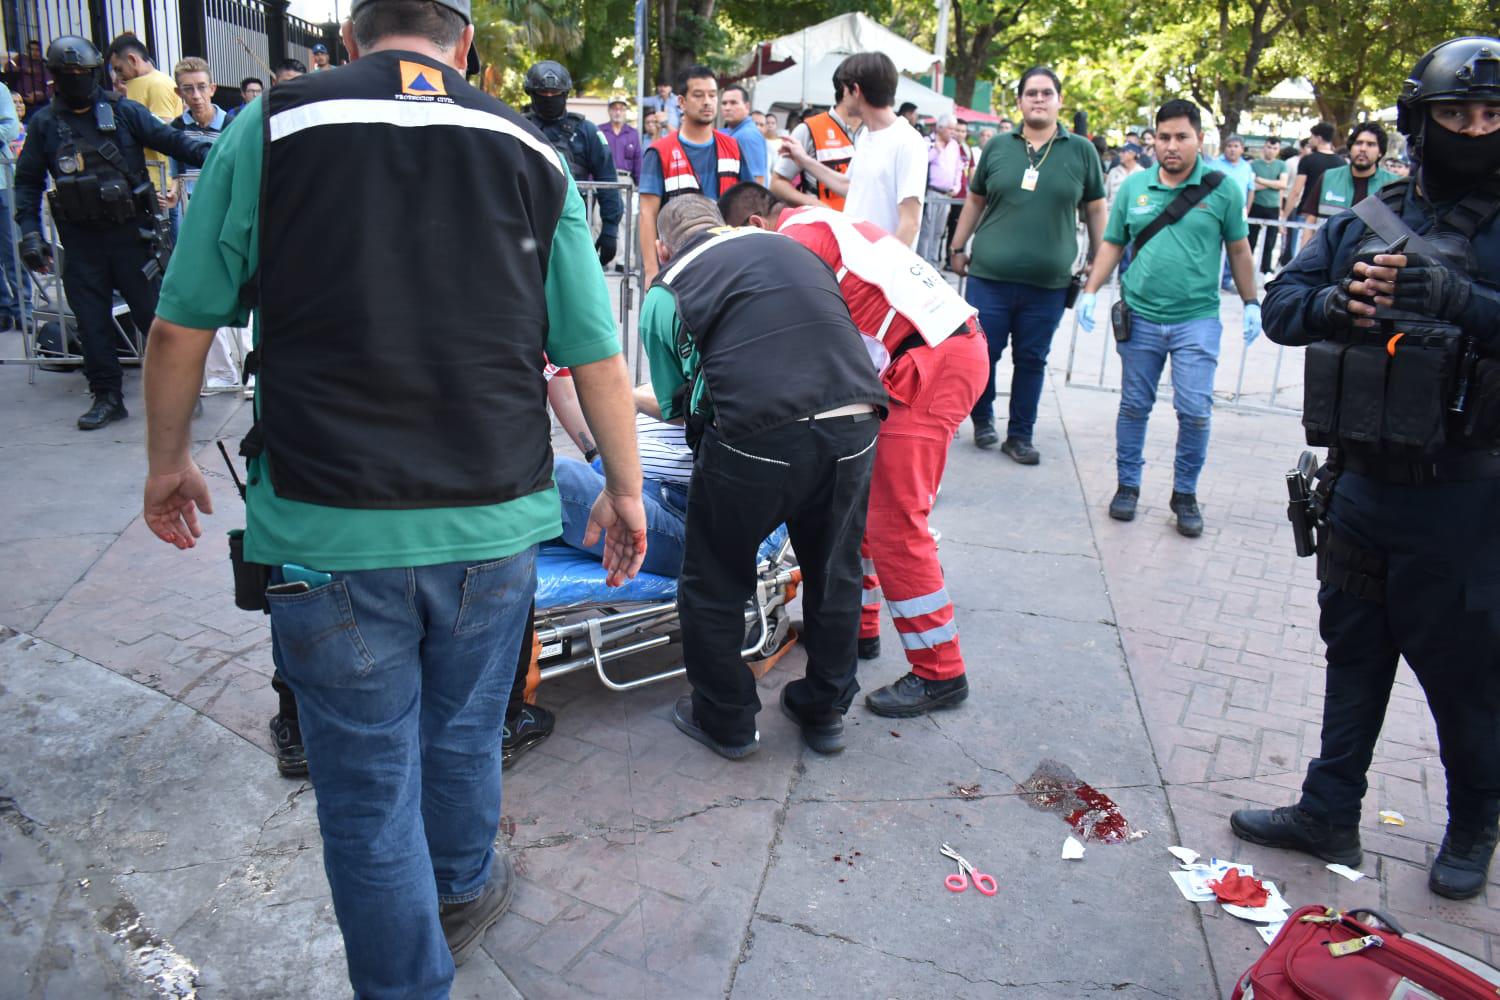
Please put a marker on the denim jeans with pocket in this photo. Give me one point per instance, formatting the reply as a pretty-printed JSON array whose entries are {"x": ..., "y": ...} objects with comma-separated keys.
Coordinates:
[
  {"x": 579, "y": 485},
  {"x": 1193, "y": 346},
  {"x": 401, "y": 678},
  {"x": 1026, "y": 317}
]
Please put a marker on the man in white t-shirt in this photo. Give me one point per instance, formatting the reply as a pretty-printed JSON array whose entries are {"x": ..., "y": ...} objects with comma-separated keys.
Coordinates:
[{"x": 887, "y": 179}]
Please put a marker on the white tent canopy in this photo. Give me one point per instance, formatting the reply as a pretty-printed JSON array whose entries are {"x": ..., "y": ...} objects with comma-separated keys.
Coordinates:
[
  {"x": 797, "y": 87},
  {"x": 847, "y": 33}
]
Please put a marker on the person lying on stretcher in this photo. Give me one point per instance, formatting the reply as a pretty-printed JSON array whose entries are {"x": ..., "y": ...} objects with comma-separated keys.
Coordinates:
[{"x": 667, "y": 466}]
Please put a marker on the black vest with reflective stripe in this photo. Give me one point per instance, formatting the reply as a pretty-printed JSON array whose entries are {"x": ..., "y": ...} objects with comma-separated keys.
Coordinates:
[
  {"x": 406, "y": 224},
  {"x": 773, "y": 333}
]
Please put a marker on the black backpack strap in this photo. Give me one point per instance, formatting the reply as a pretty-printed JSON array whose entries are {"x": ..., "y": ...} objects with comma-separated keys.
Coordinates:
[
  {"x": 1394, "y": 194},
  {"x": 1474, "y": 211},
  {"x": 1178, "y": 207}
]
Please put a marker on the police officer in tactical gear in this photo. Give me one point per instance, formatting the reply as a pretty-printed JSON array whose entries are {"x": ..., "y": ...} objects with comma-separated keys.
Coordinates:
[
  {"x": 90, "y": 140},
  {"x": 579, "y": 141},
  {"x": 1400, "y": 313}
]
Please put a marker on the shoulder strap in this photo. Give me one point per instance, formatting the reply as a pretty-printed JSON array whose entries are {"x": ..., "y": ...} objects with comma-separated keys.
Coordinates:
[
  {"x": 1394, "y": 193},
  {"x": 1474, "y": 211},
  {"x": 1178, "y": 207}
]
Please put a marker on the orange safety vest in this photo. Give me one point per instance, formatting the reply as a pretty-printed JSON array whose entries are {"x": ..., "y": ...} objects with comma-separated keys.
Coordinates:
[
  {"x": 834, "y": 149},
  {"x": 677, "y": 170}
]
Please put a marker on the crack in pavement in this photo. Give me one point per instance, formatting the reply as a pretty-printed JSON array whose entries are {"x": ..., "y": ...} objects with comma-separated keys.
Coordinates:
[
  {"x": 795, "y": 925},
  {"x": 646, "y": 825},
  {"x": 747, "y": 939},
  {"x": 969, "y": 609},
  {"x": 1020, "y": 552}
]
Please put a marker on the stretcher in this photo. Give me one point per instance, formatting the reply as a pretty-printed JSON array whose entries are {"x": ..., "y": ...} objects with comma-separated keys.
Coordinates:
[{"x": 582, "y": 623}]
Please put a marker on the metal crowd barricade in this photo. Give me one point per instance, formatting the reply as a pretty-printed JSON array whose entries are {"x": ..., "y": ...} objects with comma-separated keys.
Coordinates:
[
  {"x": 1262, "y": 372},
  {"x": 626, "y": 258}
]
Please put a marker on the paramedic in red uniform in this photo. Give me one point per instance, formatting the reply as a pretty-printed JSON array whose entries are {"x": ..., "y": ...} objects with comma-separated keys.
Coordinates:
[{"x": 938, "y": 367}]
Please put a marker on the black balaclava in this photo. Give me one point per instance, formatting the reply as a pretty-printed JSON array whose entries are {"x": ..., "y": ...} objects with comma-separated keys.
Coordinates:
[
  {"x": 1454, "y": 164},
  {"x": 549, "y": 107},
  {"x": 77, "y": 90}
]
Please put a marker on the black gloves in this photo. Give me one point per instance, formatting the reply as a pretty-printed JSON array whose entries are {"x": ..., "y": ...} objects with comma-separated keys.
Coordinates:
[
  {"x": 36, "y": 254},
  {"x": 1334, "y": 314},
  {"x": 606, "y": 245},
  {"x": 1427, "y": 287}
]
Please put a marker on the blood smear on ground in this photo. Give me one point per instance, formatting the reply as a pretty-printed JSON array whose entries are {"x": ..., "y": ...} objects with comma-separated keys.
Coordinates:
[{"x": 1054, "y": 787}]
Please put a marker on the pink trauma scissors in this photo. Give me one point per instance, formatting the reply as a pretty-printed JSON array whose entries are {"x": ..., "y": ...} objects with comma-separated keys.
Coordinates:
[{"x": 966, "y": 873}]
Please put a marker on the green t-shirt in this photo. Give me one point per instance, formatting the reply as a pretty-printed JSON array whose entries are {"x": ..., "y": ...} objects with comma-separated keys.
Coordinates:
[
  {"x": 1176, "y": 277},
  {"x": 215, "y": 256},
  {"x": 1031, "y": 237},
  {"x": 659, "y": 325},
  {"x": 1270, "y": 170}
]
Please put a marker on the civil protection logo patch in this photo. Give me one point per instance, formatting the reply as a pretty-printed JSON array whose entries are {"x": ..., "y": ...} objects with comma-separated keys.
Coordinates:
[{"x": 421, "y": 81}]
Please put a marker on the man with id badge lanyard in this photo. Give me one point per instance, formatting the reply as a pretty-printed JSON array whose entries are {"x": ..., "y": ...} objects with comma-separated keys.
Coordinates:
[{"x": 1023, "y": 204}]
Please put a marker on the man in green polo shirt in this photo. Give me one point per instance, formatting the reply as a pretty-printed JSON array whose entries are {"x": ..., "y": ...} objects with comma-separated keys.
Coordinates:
[
  {"x": 1270, "y": 181},
  {"x": 1172, "y": 287},
  {"x": 400, "y": 464},
  {"x": 1022, "y": 210}
]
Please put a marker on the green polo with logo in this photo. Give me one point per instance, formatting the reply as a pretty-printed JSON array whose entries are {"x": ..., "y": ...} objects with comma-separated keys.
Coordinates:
[
  {"x": 1176, "y": 277},
  {"x": 216, "y": 255},
  {"x": 1031, "y": 237}
]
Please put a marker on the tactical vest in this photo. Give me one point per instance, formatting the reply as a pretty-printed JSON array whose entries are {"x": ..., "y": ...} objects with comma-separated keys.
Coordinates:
[
  {"x": 677, "y": 170},
  {"x": 92, "y": 185},
  {"x": 833, "y": 147},
  {"x": 401, "y": 351},
  {"x": 566, "y": 128},
  {"x": 774, "y": 338},
  {"x": 1337, "y": 191},
  {"x": 1414, "y": 389}
]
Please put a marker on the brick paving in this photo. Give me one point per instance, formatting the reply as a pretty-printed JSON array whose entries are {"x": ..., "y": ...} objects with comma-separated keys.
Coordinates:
[{"x": 1184, "y": 677}]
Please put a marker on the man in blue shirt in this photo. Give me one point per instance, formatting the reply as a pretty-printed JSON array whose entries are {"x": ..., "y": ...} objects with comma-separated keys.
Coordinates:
[
  {"x": 734, "y": 105},
  {"x": 10, "y": 288},
  {"x": 1234, "y": 166},
  {"x": 666, "y": 101}
]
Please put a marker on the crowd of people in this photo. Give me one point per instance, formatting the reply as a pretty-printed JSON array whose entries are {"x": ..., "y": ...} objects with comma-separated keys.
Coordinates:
[{"x": 810, "y": 366}]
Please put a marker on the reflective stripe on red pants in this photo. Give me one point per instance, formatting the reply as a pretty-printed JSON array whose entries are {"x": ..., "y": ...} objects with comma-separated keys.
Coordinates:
[{"x": 932, "y": 390}]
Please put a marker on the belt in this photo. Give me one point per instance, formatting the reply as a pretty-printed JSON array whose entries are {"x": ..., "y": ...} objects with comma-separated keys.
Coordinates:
[
  {"x": 852, "y": 410},
  {"x": 1458, "y": 469}
]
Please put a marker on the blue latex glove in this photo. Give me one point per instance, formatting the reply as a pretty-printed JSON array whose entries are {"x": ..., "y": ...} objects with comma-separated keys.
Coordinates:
[
  {"x": 1252, "y": 322},
  {"x": 1086, "y": 311}
]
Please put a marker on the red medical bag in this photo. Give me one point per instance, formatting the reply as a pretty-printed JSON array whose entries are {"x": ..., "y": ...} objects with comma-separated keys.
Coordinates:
[{"x": 1322, "y": 954}]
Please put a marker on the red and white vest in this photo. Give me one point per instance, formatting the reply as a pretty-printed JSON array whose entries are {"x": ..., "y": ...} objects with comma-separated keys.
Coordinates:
[{"x": 677, "y": 170}]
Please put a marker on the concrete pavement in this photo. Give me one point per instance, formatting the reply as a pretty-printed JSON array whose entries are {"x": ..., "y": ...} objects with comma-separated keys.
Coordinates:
[{"x": 148, "y": 848}]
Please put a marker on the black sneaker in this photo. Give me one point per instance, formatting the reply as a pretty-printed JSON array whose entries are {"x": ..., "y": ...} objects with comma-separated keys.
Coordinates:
[
  {"x": 291, "y": 759},
  {"x": 1292, "y": 829},
  {"x": 1462, "y": 867},
  {"x": 1189, "y": 517},
  {"x": 869, "y": 648},
  {"x": 683, "y": 719},
  {"x": 985, "y": 435},
  {"x": 1122, "y": 507},
  {"x": 912, "y": 695},
  {"x": 1020, "y": 452},
  {"x": 464, "y": 924},
  {"x": 532, "y": 724},
  {"x": 824, "y": 736},
  {"x": 108, "y": 407}
]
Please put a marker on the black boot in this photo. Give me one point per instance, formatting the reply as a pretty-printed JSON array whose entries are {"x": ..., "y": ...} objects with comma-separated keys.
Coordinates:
[
  {"x": 912, "y": 695},
  {"x": 1189, "y": 517},
  {"x": 1122, "y": 507},
  {"x": 869, "y": 648},
  {"x": 1292, "y": 829},
  {"x": 1463, "y": 863},
  {"x": 108, "y": 407},
  {"x": 291, "y": 759}
]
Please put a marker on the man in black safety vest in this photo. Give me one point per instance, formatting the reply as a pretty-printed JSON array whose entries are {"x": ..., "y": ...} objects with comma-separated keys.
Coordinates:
[
  {"x": 751, "y": 345},
  {"x": 399, "y": 471}
]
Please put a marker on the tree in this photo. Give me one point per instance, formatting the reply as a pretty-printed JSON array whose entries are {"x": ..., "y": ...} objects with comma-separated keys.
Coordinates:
[
  {"x": 583, "y": 35},
  {"x": 1361, "y": 50}
]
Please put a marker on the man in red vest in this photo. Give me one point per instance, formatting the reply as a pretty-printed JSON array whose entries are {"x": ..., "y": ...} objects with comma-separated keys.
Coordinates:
[
  {"x": 935, "y": 366},
  {"x": 698, "y": 159}
]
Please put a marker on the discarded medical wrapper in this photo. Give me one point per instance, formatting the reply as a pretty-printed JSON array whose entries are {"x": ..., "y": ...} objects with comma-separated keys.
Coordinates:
[
  {"x": 1184, "y": 854},
  {"x": 1346, "y": 872},
  {"x": 1072, "y": 849},
  {"x": 1391, "y": 817}
]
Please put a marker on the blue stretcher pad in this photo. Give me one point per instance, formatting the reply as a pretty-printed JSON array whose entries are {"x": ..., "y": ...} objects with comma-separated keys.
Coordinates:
[{"x": 566, "y": 577}]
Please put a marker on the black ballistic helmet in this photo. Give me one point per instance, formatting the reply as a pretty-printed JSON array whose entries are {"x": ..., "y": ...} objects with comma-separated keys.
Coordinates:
[
  {"x": 547, "y": 75},
  {"x": 1460, "y": 69},
  {"x": 72, "y": 52}
]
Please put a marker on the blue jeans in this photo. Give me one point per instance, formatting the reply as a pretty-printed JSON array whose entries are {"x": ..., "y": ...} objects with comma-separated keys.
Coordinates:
[
  {"x": 401, "y": 678},
  {"x": 666, "y": 515},
  {"x": 11, "y": 292},
  {"x": 1194, "y": 347},
  {"x": 1026, "y": 316}
]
